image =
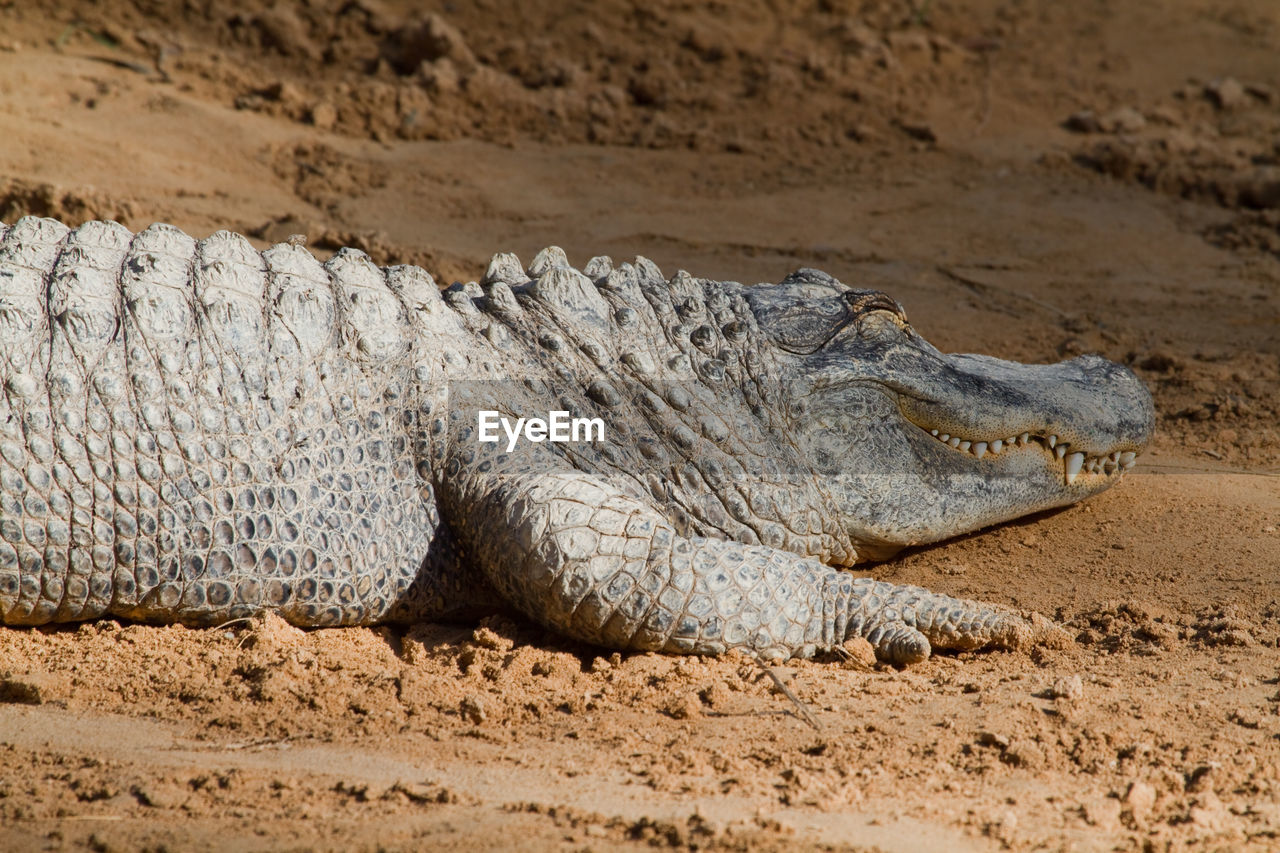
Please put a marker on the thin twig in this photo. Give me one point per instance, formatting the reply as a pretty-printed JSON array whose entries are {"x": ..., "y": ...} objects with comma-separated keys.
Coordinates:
[
  {"x": 92, "y": 817},
  {"x": 253, "y": 744},
  {"x": 127, "y": 65},
  {"x": 231, "y": 622},
  {"x": 984, "y": 115},
  {"x": 1187, "y": 468},
  {"x": 795, "y": 700},
  {"x": 213, "y": 632}
]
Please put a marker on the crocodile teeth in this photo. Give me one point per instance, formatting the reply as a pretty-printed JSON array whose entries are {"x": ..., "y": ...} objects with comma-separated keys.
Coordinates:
[{"x": 1074, "y": 462}]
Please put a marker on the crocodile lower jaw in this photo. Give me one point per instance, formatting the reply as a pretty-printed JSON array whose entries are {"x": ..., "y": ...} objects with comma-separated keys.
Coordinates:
[{"x": 1074, "y": 464}]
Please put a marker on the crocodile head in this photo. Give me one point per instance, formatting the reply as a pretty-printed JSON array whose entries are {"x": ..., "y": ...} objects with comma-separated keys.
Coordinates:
[{"x": 916, "y": 445}]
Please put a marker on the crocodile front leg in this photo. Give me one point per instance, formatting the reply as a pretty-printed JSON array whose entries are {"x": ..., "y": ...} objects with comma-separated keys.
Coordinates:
[{"x": 593, "y": 562}]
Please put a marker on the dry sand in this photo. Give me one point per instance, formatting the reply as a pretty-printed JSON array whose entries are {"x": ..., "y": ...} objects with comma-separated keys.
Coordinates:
[{"x": 1030, "y": 179}]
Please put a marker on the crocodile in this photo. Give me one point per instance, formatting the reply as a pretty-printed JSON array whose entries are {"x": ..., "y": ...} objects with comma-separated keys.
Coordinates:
[{"x": 196, "y": 431}]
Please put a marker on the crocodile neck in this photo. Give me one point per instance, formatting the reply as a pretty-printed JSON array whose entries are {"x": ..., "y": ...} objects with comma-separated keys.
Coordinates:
[{"x": 691, "y": 399}]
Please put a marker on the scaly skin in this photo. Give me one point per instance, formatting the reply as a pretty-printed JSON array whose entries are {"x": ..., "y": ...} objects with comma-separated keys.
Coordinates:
[{"x": 197, "y": 431}]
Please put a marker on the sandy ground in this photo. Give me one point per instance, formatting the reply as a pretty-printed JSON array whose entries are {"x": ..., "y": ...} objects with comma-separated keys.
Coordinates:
[{"x": 1030, "y": 179}]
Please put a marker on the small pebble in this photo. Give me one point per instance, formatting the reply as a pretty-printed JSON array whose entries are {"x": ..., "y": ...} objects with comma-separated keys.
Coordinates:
[
  {"x": 473, "y": 709},
  {"x": 685, "y": 706},
  {"x": 1069, "y": 687},
  {"x": 1123, "y": 120},
  {"x": 1141, "y": 799},
  {"x": 1246, "y": 717},
  {"x": 1084, "y": 121},
  {"x": 1226, "y": 93},
  {"x": 324, "y": 115},
  {"x": 993, "y": 739}
]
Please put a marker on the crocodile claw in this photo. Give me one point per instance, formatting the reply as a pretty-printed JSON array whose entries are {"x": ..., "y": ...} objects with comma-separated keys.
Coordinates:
[{"x": 904, "y": 624}]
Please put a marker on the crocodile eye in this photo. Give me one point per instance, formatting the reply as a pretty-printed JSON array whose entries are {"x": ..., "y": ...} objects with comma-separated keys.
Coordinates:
[
  {"x": 880, "y": 323},
  {"x": 864, "y": 304},
  {"x": 809, "y": 310}
]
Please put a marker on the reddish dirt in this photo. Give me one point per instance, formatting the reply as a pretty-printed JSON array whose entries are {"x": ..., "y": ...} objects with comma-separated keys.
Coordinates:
[{"x": 1030, "y": 179}]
